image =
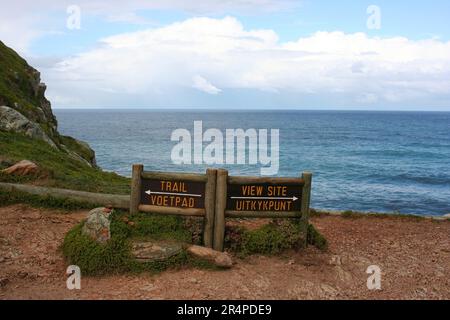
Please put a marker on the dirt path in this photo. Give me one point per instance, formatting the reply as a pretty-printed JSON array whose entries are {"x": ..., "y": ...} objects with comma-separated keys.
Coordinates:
[{"x": 414, "y": 257}]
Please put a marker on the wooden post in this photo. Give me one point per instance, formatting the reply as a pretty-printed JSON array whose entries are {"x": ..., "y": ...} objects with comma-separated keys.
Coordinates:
[
  {"x": 136, "y": 179},
  {"x": 210, "y": 203},
  {"x": 306, "y": 194},
  {"x": 306, "y": 199},
  {"x": 221, "y": 203}
]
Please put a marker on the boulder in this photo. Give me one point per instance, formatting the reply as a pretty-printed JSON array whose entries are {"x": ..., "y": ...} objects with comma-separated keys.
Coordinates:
[
  {"x": 149, "y": 251},
  {"x": 97, "y": 225},
  {"x": 22, "y": 168},
  {"x": 13, "y": 121},
  {"x": 220, "y": 259}
]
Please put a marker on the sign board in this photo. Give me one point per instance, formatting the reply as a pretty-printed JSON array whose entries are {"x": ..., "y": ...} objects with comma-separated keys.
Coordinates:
[
  {"x": 215, "y": 196},
  {"x": 264, "y": 197},
  {"x": 173, "y": 193}
]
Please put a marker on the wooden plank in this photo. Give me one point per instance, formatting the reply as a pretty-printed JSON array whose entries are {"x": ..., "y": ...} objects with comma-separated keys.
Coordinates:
[
  {"x": 194, "y": 177},
  {"x": 264, "y": 197},
  {"x": 306, "y": 199},
  {"x": 210, "y": 203},
  {"x": 306, "y": 194},
  {"x": 136, "y": 181},
  {"x": 264, "y": 180},
  {"x": 96, "y": 199},
  {"x": 221, "y": 202},
  {"x": 172, "y": 210},
  {"x": 262, "y": 214}
]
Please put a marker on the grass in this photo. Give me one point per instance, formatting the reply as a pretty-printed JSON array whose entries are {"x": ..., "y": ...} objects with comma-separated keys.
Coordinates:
[
  {"x": 16, "y": 85},
  {"x": 58, "y": 169},
  {"x": 273, "y": 238},
  {"x": 349, "y": 214},
  {"x": 17, "y": 197},
  {"x": 115, "y": 256}
]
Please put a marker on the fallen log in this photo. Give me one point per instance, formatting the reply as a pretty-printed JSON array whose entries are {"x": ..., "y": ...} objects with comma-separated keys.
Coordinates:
[{"x": 111, "y": 200}]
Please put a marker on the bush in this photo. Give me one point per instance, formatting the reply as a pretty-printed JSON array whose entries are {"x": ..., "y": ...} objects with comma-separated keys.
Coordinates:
[
  {"x": 315, "y": 238},
  {"x": 115, "y": 256},
  {"x": 273, "y": 238}
]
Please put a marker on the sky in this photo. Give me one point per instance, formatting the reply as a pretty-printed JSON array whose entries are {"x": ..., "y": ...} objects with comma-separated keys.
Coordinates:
[{"x": 242, "y": 54}]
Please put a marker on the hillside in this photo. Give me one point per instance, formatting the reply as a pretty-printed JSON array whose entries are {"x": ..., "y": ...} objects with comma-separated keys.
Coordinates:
[
  {"x": 24, "y": 108},
  {"x": 29, "y": 130}
]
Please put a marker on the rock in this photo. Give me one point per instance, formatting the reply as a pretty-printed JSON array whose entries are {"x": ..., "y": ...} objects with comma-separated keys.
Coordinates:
[
  {"x": 3, "y": 282},
  {"x": 97, "y": 225},
  {"x": 335, "y": 260},
  {"x": 148, "y": 251},
  {"x": 13, "y": 120},
  {"x": 220, "y": 259},
  {"x": 26, "y": 110},
  {"x": 22, "y": 168}
]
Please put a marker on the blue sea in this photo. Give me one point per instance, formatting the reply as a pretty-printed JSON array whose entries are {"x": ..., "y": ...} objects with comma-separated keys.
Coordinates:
[{"x": 365, "y": 161}]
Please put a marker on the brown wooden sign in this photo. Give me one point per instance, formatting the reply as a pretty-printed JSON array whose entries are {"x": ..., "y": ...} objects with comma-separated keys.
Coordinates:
[
  {"x": 259, "y": 197},
  {"x": 173, "y": 193},
  {"x": 264, "y": 197},
  {"x": 215, "y": 196}
]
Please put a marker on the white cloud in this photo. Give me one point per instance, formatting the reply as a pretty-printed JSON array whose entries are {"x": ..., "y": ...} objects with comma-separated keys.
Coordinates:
[
  {"x": 24, "y": 21},
  {"x": 169, "y": 59},
  {"x": 202, "y": 84}
]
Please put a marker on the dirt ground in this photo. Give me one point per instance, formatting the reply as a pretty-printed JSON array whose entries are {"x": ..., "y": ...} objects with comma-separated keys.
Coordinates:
[{"x": 414, "y": 257}]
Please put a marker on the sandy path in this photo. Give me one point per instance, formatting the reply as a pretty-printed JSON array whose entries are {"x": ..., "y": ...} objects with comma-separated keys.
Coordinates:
[{"x": 414, "y": 257}]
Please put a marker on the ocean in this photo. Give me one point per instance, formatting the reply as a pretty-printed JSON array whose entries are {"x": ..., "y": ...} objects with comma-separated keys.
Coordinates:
[{"x": 361, "y": 160}]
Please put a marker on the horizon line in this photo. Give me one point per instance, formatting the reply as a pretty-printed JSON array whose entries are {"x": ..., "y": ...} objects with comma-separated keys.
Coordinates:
[{"x": 242, "y": 109}]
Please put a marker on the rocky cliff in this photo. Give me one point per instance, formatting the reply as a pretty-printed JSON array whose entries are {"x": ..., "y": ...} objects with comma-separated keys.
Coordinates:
[{"x": 25, "y": 110}]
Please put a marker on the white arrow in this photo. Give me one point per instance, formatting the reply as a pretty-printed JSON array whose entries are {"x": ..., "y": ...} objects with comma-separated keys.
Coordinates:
[
  {"x": 149, "y": 192},
  {"x": 294, "y": 198}
]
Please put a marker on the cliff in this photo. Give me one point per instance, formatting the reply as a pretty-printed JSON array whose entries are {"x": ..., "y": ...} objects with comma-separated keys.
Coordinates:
[{"x": 25, "y": 110}]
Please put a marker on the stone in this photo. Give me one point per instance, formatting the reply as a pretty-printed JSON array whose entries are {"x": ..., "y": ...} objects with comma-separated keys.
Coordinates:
[
  {"x": 13, "y": 121},
  {"x": 149, "y": 251},
  {"x": 3, "y": 282},
  {"x": 220, "y": 259},
  {"x": 97, "y": 225},
  {"x": 335, "y": 260},
  {"x": 22, "y": 168}
]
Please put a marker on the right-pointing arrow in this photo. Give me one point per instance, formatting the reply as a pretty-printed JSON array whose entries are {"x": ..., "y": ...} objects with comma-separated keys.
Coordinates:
[{"x": 294, "y": 198}]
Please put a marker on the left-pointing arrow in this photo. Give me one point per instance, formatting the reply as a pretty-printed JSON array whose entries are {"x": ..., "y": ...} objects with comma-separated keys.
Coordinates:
[{"x": 149, "y": 192}]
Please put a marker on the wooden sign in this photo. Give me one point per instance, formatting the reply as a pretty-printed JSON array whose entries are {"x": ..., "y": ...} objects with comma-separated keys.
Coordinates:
[
  {"x": 259, "y": 197},
  {"x": 173, "y": 193},
  {"x": 216, "y": 196},
  {"x": 264, "y": 197},
  {"x": 186, "y": 194}
]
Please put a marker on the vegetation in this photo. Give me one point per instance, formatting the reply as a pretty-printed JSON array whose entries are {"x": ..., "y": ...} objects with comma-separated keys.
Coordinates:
[
  {"x": 273, "y": 238},
  {"x": 115, "y": 256},
  {"x": 16, "y": 83},
  {"x": 58, "y": 168},
  {"x": 357, "y": 215},
  {"x": 9, "y": 198}
]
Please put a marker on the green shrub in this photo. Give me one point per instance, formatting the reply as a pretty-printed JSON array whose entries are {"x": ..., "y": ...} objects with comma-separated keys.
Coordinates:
[
  {"x": 315, "y": 238},
  {"x": 115, "y": 256},
  {"x": 272, "y": 238},
  {"x": 95, "y": 258}
]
